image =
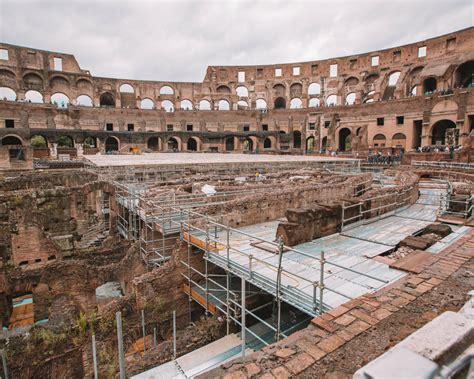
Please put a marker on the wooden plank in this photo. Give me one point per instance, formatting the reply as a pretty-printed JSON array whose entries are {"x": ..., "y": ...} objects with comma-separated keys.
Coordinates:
[{"x": 415, "y": 262}]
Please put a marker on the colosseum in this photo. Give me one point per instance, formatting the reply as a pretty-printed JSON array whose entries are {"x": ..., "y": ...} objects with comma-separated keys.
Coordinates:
[{"x": 309, "y": 219}]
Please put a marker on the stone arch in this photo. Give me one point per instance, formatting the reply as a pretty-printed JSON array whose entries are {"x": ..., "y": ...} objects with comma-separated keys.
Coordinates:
[
  {"x": 314, "y": 102},
  {"x": 153, "y": 143},
  {"x": 60, "y": 99},
  {"x": 167, "y": 106},
  {"x": 192, "y": 144},
  {"x": 261, "y": 104},
  {"x": 267, "y": 143},
  {"x": 112, "y": 144},
  {"x": 242, "y": 104},
  {"x": 399, "y": 140},
  {"x": 223, "y": 89},
  {"x": 445, "y": 106},
  {"x": 351, "y": 81},
  {"x": 85, "y": 86},
  {"x": 392, "y": 78},
  {"x": 350, "y": 98},
  {"x": 107, "y": 100},
  {"x": 371, "y": 78},
  {"x": 242, "y": 91},
  {"x": 344, "y": 139},
  {"x": 34, "y": 96},
  {"x": 65, "y": 141},
  {"x": 310, "y": 142},
  {"x": 229, "y": 144},
  {"x": 331, "y": 100},
  {"x": 147, "y": 104},
  {"x": 379, "y": 140},
  {"x": 314, "y": 89},
  {"x": 166, "y": 90},
  {"x": 296, "y": 103},
  {"x": 279, "y": 90},
  {"x": 7, "y": 77},
  {"x": 90, "y": 142},
  {"x": 429, "y": 85},
  {"x": 280, "y": 103},
  {"x": 6, "y": 93},
  {"x": 297, "y": 139},
  {"x": 296, "y": 90},
  {"x": 38, "y": 141},
  {"x": 59, "y": 83},
  {"x": 186, "y": 105},
  {"x": 464, "y": 75},
  {"x": 438, "y": 131},
  {"x": 33, "y": 80},
  {"x": 204, "y": 105},
  {"x": 11, "y": 139},
  {"x": 172, "y": 144},
  {"x": 126, "y": 88},
  {"x": 84, "y": 100},
  {"x": 247, "y": 144},
  {"x": 223, "y": 105}
]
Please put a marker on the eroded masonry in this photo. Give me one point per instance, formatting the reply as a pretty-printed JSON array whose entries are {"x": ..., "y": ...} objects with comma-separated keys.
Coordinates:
[{"x": 310, "y": 219}]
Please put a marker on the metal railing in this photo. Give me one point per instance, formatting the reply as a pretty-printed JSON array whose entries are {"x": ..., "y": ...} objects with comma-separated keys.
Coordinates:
[{"x": 444, "y": 164}]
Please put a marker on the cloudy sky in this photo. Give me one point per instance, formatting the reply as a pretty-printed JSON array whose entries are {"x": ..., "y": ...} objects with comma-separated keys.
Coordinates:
[{"x": 177, "y": 40}]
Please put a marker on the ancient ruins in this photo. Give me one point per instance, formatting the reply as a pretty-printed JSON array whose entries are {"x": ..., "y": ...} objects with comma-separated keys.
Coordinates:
[{"x": 311, "y": 219}]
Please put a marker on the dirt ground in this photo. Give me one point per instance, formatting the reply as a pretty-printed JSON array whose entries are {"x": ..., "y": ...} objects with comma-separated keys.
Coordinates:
[{"x": 447, "y": 296}]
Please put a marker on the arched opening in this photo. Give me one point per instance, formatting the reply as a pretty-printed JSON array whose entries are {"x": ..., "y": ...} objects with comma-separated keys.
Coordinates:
[
  {"x": 186, "y": 105},
  {"x": 60, "y": 100},
  {"x": 147, "y": 104},
  {"x": 429, "y": 85},
  {"x": 371, "y": 79},
  {"x": 111, "y": 144},
  {"x": 350, "y": 98},
  {"x": 310, "y": 144},
  {"x": 153, "y": 143},
  {"x": 223, "y": 105},
  {"x": 167, "y": 106},
  {"x": 11, "y": 140},
  {"x": 314, "y": 89},
  {"x": 351, "y": 81},
  {"x": 229, "y": 144},
  {"x": 267, "y": 143},
  {"x": 324, "y": 143},
  {"x": 192, "y": 144},
  {"x": 248, "y": 144},
  {"x": 297, "y": 139},
  {"x": 242, "y": 91},
  {"x": 33, "y": 81},
  {"x": 204, "y": 105},
  {"x": 464, "y": 76},
  {"x": 399, "y": 140},
  {"x": 393, "y": 78},
  {"x": 280, "y": 103},
  {"x": 126, "y": 88},
  {"x": 90, "y": 143},
  {"x": 438, "y": 131},
  {"x": 107, "y": 100},
  {"x": 379, "y": 140},
  {"x": 65, "y": 142},
  {"x": 344, "y": 139},
  {"x": 38, "y": 141},
  {"x": 261, "y": 104},
  {"x": 34, "y": 96},
  {"x": 331, "y": 100},
  {"x": 173, "y": 144},
  {"x": 296, "y": 90},
  {"x": 84, "y": 101},
  {"x": 296, "y": 103},
  {"x": 314, "y": 102},
  {"x": 166, "y": 90},
  {"x": 242, "y": 104},
  {"x": 223, "y": 89}
]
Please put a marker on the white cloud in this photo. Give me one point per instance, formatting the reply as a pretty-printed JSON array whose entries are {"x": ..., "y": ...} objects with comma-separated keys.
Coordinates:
[{"x": 177, "y": 40}]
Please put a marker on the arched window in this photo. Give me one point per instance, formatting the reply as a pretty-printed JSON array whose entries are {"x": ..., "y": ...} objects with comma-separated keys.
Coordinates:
[
  {"x": 38, "y": 141},
  {"x": 60, "y": 100},
  {"x": 261, "y": 104},
  {"x": 242, "y": 91},
  {"x": 34, "y": 96},
  {"x": 167, "y": 106},
  {"x": 296, "y": 103},
  {"x": 331, "y": 100},
  {"x": 186, "y": 105},
  {"x": 11, "y": 140},
  {"x": 314, "y": 89},
  {"x": 223, "y": 89},
  {"x": 267, "y": 144},
  {"x": 107, "y": 100},
  {"x": 350, "y": 98},
  {"x": 7, "y": 94},
  {"x": 379, "y": 140},
  {"x": 393, "y": 78},
  {"x": 229, "y": 144},
  {"x": 153, "y": 143},
  {"x": 111, "y": 144},
  {"x": 399, "y": 136},
  {"x": 314, "y": 102},
  {"x": 84, "y": 101},
  {"x": 242, "y": 104},
  {"x": 147, "y": 104},
  {"x": 204, "y": 105},
  {"x": 166, "y": 90},
  {"x": 192, "y": 144},
  {"x": 280, "y": 103},
  {"x": 126, "y": 88},
  {"x": 65, "y": 141},
  {"x": 223, "y": 105}
]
